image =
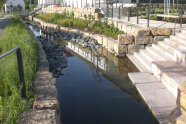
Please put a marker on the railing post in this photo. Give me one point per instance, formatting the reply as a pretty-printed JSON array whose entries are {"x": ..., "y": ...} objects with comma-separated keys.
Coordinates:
[
  {"x": 129, "y": 13},
  {"x": 21, "y": 73},
  {"x": 137, "y": 15},
  {"x": 119, "y": 12},
  {"x": 99, "y": 3},
  {"x": 107, "y": 9},
  {"x": 181, "y": 17},
  {"x": 112, "y": 11},
  {"x": 148, "y": 21}
]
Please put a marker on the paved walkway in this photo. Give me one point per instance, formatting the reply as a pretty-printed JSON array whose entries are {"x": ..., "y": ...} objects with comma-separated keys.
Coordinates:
[
  {"x": 3, "y": 22},
  {"x": 153, "y": 23}
]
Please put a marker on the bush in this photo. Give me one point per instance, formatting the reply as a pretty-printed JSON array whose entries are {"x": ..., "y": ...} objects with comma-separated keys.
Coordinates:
[
  {"x": 11, "y": 104},
  {"x": 68, "y": 20}
]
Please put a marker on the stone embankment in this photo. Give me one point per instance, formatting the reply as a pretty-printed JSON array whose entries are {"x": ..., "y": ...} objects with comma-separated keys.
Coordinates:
[
  {"x": 178, "y": 115},
  {"x": 138, "y": 37},
  {"x": 46, "y": 105}
]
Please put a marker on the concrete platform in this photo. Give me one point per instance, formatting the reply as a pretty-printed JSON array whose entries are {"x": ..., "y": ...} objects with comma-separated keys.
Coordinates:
[{"x": 157, "y": 97}]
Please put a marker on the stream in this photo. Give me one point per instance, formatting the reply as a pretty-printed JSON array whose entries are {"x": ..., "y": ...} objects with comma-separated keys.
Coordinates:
[{"x": 98, "y": 92}]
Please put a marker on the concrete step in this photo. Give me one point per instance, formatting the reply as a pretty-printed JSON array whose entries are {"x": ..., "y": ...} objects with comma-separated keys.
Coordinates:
[
  {"x": 179, "y": 54},
  {"x": 144, "y": 61},
  {"x": 178, "y": 39},
  {"x": 176, "y": 43},
  {"x": 138, "y": 64},
  {"x": 157, "y": 53},
  {"x": 163, "y": 51},
  {"x": 150, "y": 56},
  {"x": 169, "y": 73},
  {"x": 181, "y": 35},
  {"x": 158, "y": 98},
  {"x": 183, "y": 31}
]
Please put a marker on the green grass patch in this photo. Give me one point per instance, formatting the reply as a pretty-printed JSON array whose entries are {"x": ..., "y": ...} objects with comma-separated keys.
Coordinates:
[
  {"x": 68, "y": 20},
  {"x": 11, "y": 104}
]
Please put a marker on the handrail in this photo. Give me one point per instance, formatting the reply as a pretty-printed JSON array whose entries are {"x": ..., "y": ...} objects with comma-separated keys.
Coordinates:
[{"x": 20, "y": 68}]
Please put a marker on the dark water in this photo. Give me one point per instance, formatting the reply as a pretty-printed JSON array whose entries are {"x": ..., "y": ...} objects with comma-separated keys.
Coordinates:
[
  {"x": 99, "y": 92},
  {"x": 106, "y": 97}
]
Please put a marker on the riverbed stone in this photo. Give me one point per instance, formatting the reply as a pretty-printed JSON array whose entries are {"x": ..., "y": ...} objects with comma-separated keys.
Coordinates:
[{"x": 124, "y": 39}]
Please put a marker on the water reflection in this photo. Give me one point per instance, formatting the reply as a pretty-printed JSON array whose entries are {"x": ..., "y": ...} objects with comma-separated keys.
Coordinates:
[{"x": 113, "y": 68}]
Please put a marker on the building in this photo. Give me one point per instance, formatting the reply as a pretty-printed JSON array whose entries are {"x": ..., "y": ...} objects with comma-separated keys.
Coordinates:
[{"x": 14, "y": 5}]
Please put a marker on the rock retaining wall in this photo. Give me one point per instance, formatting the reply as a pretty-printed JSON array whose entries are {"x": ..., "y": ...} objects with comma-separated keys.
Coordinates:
[
  {"x": 178, "y": 115},
  {"x": 46, "y": 106}
]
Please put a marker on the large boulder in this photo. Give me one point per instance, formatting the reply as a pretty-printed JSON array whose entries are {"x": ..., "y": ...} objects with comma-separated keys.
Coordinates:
[{"x": 124, "y": 39}]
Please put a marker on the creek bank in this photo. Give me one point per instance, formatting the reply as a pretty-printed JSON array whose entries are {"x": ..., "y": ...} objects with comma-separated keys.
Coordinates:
[{"x": 46, "y": 104}]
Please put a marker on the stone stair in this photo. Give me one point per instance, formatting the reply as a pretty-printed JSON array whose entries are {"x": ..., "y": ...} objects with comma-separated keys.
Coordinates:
[{"x": 166, "y": 62}]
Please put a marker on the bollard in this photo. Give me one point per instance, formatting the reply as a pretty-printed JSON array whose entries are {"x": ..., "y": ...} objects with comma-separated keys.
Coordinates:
[
  {"x": 21, "y": 73},
  {"x": 148, "y": 20}
]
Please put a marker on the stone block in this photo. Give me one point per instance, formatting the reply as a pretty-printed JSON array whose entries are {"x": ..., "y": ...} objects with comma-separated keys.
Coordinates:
[
  {"x": 134, "y": 48},
  {"x": 143, "y": 39},
  {"x": 160, "y": 38},
  {"x": 181, "y": 98},
  {"x": 177, "y": 116},
  {"x": 111, "y": 43},
  {"x": 45, "y": 102},
  {"x": 124, "y": 39},
  {"x": 33, "y": 116},
  {"x": 161, "y": 32},
  {"x": 120, "y": 49},
  {"x": 99, "y": 38},
  {"x": 105, "y": 42},
  {"x": 142, "y": 32}
]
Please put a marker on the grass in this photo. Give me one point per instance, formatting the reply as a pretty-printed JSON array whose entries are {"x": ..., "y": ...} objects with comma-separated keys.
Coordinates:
[
  {"x": 11, "y": 104},
  {"x": 68, "y": 20}
]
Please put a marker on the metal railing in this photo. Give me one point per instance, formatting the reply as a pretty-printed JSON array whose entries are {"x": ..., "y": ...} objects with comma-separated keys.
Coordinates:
[{"x": 20, "y": 68}]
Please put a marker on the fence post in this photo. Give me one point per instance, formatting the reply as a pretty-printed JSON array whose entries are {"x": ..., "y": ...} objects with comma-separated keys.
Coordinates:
[
  {"x": 21, "y": 73},
  {"x": 107, "y": 9}
]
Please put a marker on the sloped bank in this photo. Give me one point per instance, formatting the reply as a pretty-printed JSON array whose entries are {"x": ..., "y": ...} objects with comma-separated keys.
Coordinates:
[{"x": 46, "y": 104}]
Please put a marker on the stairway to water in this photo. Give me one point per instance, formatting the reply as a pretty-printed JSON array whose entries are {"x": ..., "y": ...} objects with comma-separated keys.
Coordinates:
[{"x": 162, "y": 68}]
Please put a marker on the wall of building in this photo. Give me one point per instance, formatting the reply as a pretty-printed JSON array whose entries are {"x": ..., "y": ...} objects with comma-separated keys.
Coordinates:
[{"x": 15, "y": 4}]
